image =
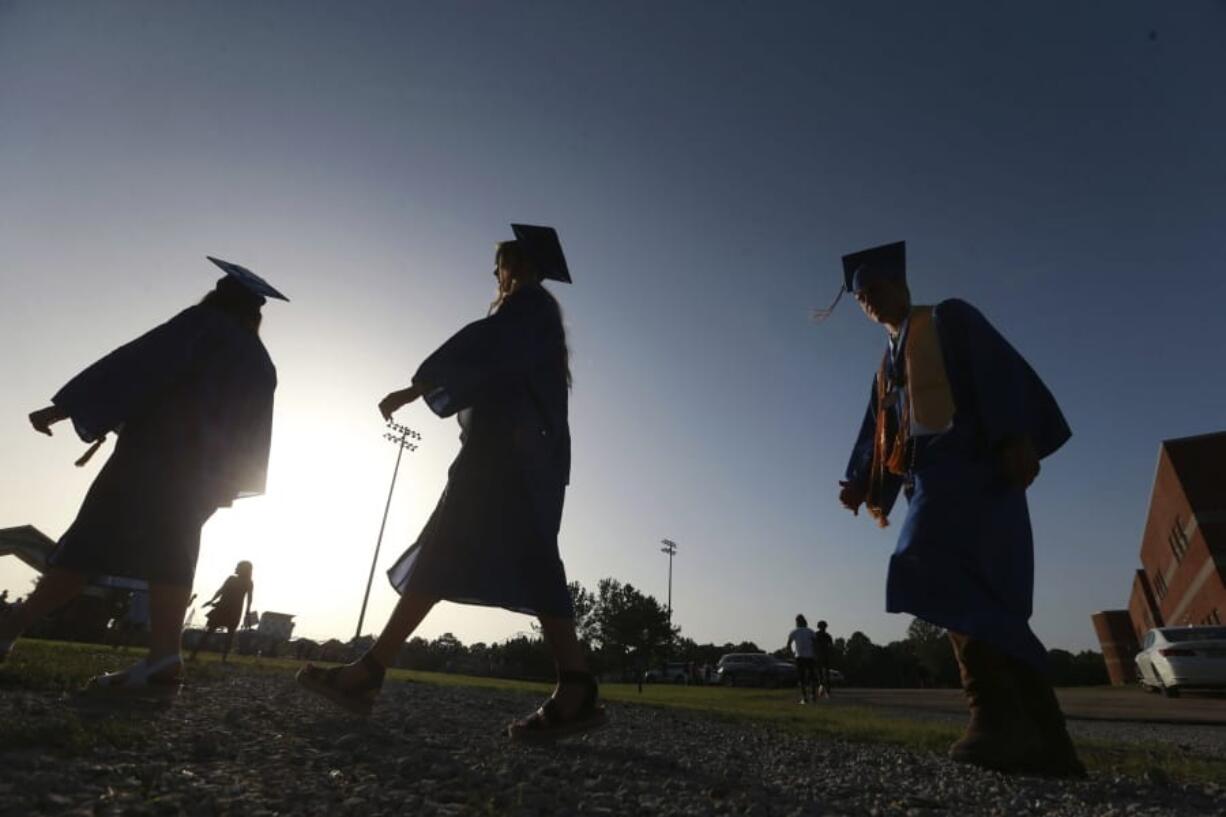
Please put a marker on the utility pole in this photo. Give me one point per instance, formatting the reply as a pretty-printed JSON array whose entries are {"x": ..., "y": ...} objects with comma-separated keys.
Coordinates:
[{"x": 401, "y": 435}]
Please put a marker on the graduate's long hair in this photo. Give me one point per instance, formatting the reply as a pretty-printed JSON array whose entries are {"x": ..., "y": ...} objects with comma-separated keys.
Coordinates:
[
  {"x": 233, "y": 298},
  {"x": 513, "y": 254}
]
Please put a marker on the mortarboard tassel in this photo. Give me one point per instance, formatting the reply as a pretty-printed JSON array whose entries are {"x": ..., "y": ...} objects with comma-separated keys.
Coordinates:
[
  {"x": 819, "y": 315},
  {"x": 89, "y": 452}
]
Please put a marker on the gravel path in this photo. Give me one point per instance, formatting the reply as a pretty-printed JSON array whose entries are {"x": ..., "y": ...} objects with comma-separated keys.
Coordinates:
[{"x": 253, "y": 744}]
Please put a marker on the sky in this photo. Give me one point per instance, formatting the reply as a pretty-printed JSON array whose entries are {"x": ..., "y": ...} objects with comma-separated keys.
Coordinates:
[{"x": 706, "y": 164}]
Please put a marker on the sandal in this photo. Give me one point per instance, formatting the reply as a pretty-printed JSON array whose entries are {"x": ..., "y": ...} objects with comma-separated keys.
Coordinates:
[
  {"x": 548, "y": 723},
  {"x": 142, "y": 679},
  {"x": 358, "y": 699}
]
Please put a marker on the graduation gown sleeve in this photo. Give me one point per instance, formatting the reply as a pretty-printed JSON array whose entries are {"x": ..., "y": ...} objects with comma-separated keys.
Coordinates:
[
  {"x": 487, "y": 354},
  {"x": 860, "y": 464},
  {"x": 861, "y": 460},
  {"x": 214, "y": 377},
  {"x": 100, "y": 398},
  {"x": 1010, "y": 399}
]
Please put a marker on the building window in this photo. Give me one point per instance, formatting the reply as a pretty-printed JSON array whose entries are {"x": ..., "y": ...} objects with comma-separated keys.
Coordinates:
[
  {"x": 1178, "y": 540},
  {"x": 1160, "y": 586}
]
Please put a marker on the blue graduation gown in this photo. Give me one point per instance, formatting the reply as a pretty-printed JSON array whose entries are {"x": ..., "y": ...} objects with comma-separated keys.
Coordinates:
[
  {"x": 192, "y": 403},
  {"x": 493, "y": 537},
  {"x": 965, "y": 555}
]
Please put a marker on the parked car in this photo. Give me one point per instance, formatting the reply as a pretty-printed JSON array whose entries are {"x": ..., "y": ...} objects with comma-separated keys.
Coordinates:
[
  {"x": 754, "y": 669},
  {"x": 1176, "y": 658},
  {"x": 672, "y": 673}
]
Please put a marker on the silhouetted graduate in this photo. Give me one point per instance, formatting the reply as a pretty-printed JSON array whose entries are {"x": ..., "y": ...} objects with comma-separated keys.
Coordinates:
[
  {"x": 959, "y": 421},
  {"x": 493, "y": 538},
  {"x": 228, "y": 611},
  {"x": 191, "y": 402}
]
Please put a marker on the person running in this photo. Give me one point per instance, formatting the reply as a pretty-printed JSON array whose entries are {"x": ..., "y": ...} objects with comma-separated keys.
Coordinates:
[
  {"x": 191, "y": 403},
  {"x": 823, "y": 649},
  {"x": 227, "y": 604},
  {"x": 801, "y": 643},
  {"x": 958, "y": 422},
  {"x": 493, "y": 538}
]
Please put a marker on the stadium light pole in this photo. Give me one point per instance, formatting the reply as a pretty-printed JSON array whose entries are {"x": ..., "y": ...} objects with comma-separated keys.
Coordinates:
[
  {"x": 670, "y": 547},
  {"x": 406, "y": 439}
]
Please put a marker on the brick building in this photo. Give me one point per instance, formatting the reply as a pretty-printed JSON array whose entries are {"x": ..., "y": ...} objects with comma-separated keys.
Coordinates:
[{"x": 1182, "y": 580}]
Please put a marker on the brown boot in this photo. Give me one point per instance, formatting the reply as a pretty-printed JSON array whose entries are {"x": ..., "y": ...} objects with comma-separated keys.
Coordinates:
[
  {"x": 999, "y": 736},
  {"x": 1057, "y": 756}
]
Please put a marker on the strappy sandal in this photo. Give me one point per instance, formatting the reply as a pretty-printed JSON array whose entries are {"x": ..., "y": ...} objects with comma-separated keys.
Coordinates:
[
  {"x": 358, "y": 699},
  {"x": 548, "y": 723},
  {"x": 141, "y": 680}
]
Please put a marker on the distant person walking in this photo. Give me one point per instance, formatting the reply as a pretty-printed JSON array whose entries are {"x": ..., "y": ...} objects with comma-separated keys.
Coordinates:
[
  {"x": 801, "y": 643},
  {"x": 134, "y": 622},
  {"x": 191, "y": 402},
  {"x": 958, "y": 421},
  {"x": 227, "y": 612},
  {"x": 823, "y": 651},
  {"x": 493, "y": 538}
]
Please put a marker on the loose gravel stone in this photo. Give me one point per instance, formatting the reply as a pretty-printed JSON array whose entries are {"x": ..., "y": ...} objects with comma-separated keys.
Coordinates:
[{"x": 252, "y": 744}]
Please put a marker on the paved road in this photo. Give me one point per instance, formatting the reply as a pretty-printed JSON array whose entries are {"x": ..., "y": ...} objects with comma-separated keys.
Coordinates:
[
  {"x": 1081, "y": 704},
  {"x": 1191, "y": 723}
]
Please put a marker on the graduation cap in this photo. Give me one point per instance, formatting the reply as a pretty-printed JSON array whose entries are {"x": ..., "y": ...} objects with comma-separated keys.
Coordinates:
[
  {"x": 542, "y": 248},
  {"x": 249, "y": 280},
  {"x": 888, "y": 262}
]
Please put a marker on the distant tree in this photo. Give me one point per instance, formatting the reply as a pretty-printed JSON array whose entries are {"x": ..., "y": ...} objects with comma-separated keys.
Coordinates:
[
  {"x": 447, "y": 650},
  {"x": 857, "y": 657},
  {"x": 447, "y": 645},
  {"x": 744, "y": 646},
  {"x": 361, "y": 644},
  {"x": 416, "y": 654},
  {"x": 304, "y": 649},
  {"x": 522, "y": 657},
  {"x": 929, "y": 644},
  {"x": 1086, "y": 668},
  {"x": 923, "y": 632},
  {"x": 585, "y": 609},
  {"x": 625, "y": 621},
  {"x": 684, "y": 649},
  {"x": 334, "y": 650},
  {"x": 867, "y": 664}
]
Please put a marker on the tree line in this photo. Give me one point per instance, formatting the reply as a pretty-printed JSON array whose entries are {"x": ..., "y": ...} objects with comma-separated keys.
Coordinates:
[{"x": 626, "y": 632}]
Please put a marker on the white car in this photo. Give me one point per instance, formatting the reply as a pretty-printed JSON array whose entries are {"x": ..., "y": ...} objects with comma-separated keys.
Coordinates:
[
  {"x": 1175, "y": 658},
  {"x": 672, "y": 673}
]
